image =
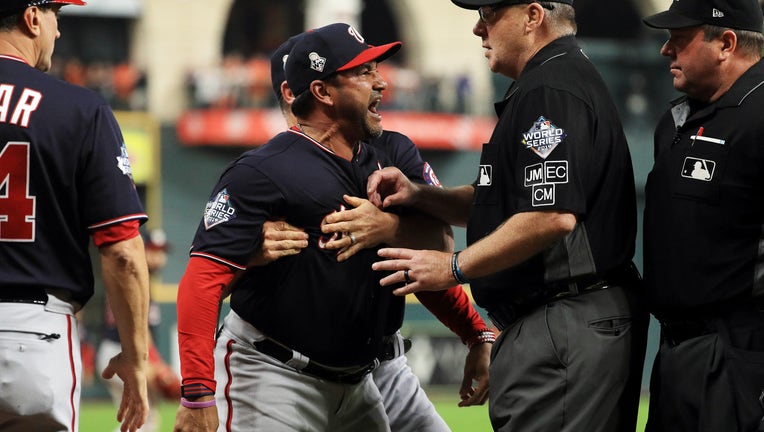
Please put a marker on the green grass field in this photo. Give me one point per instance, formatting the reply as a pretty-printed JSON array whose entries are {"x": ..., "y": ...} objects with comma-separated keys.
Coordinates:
[{"x": 99, "y": 416}]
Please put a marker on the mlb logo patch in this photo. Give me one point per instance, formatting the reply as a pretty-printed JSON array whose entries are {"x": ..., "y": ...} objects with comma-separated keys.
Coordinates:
[
  {"x": 219, "y": 210},
  {"x": 485, "y": 176},
  {"x": 698, "y": 169}
]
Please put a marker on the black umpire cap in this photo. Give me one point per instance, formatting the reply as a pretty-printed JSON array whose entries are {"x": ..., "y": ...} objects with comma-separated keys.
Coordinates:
[
  {"x": 323, "y": 51},
  {"x": 477, "y": 4},
  {"x": 11, "y": 5},
  {"x": 734, "y": 14}
]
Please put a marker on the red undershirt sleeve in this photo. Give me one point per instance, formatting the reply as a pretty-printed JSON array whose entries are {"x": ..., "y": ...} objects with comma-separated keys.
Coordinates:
[
  {"x": 199, "y": 294},
  {"x": 115, "y": 233},
  {"x": 452, "y": 307}
]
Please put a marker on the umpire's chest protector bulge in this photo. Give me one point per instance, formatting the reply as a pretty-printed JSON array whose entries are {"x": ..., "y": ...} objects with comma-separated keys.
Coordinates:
[{"x": 705, "y": 199}]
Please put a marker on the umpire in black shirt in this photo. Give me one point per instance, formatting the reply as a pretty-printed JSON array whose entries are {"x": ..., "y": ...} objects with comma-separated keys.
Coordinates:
[
  {"x": 551, "y": 227},
  {"x": 704, "y": 219}
]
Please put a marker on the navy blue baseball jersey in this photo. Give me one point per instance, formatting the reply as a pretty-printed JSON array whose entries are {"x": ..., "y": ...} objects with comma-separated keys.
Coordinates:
[
  {"x": 333, "y": 312},
  {"x": 403, "y": 155},
  {"x": 64, "y": 171}
]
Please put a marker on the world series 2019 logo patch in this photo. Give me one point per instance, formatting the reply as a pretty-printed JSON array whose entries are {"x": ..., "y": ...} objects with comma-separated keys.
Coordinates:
[
  {"x": 429, "y": 176},
  {"x": 219, "y": 210},
  {"x": 123, "y": 162},
  {"x": 543, "y": 137},
  {"x": 317, "y": 62}
]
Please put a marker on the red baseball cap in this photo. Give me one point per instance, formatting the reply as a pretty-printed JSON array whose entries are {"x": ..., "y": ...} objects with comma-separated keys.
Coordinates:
[
  {"x": 329, "y": 49},
  {"x": 9, "y": 5}
]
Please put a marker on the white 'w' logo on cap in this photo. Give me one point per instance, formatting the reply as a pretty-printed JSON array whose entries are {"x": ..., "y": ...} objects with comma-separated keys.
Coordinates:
[{"x": 716, "y": 13}]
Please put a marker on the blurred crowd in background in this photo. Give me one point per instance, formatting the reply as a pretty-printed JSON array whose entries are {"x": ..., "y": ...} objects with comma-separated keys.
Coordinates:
[
  {"x": 245, "y": 82},
  {"x": 122, "y": 84}
]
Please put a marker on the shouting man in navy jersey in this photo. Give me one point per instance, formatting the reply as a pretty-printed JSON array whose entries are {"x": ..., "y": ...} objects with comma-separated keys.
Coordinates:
[
  {"x": 408, "y": 407},
  {"x": 305, "y": 331}
]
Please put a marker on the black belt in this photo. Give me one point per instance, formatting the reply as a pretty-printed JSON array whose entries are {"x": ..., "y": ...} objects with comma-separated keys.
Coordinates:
[
  {"x": 677, "y": 331},
  {"x": 509, "y": 311},
  {"x": 699, "y": 321},
  {"x": 23, "y": 294},
  {"x": 389, "y": 352},
  {"x": 285, "y": 355}
]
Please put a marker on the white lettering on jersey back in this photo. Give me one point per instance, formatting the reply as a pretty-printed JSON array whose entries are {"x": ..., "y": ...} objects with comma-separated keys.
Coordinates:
[{"x": 28, "y": 103}]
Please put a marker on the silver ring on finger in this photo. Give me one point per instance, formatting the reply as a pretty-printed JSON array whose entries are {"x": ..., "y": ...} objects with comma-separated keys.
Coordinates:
[{"x": 352, "y": 238}]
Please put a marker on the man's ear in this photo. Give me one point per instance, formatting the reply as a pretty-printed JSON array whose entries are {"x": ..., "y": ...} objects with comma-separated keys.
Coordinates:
[
  {"x": 534, "y": 17},
  {"x": 728, "y": 44},
  {"x": 31, "y": 20},
  {"x": 286, "y": 93},
  {"x": 320, "y": 90}
]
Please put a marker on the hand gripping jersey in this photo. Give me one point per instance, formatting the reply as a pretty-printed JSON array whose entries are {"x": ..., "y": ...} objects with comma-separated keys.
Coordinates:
[
  {"x": 64, "y": 171},
  {"x": 332, "y": 312},
  {"x": 403, "y": 155}
]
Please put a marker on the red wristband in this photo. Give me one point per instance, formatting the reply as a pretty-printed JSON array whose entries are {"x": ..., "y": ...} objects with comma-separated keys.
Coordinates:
[
  {"x": 197, "y": 405},
  {"x": 483, "y": 336}
]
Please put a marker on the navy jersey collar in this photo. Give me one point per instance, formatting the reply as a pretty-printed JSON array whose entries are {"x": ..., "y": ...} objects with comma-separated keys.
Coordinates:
[{"x": 360, "y": 151}]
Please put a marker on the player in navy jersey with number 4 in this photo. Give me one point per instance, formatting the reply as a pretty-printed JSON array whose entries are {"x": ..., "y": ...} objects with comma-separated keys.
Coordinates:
[{"x": 64, "y": 178}]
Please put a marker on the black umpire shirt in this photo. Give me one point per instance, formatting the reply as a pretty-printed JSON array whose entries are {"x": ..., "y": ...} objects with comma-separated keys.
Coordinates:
[
  {"x": 704, "y": 215},
  {"x": 558, "y": 145}
]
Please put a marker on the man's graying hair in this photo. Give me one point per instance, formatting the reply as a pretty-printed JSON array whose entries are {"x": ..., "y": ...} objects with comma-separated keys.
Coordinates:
[
  {"x": 561, "y": 16},
  {"x": 750, "y": 43}
]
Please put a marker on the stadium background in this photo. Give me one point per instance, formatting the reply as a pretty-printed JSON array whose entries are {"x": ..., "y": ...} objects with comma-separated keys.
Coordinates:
[{"x": 189, "y": 81}]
